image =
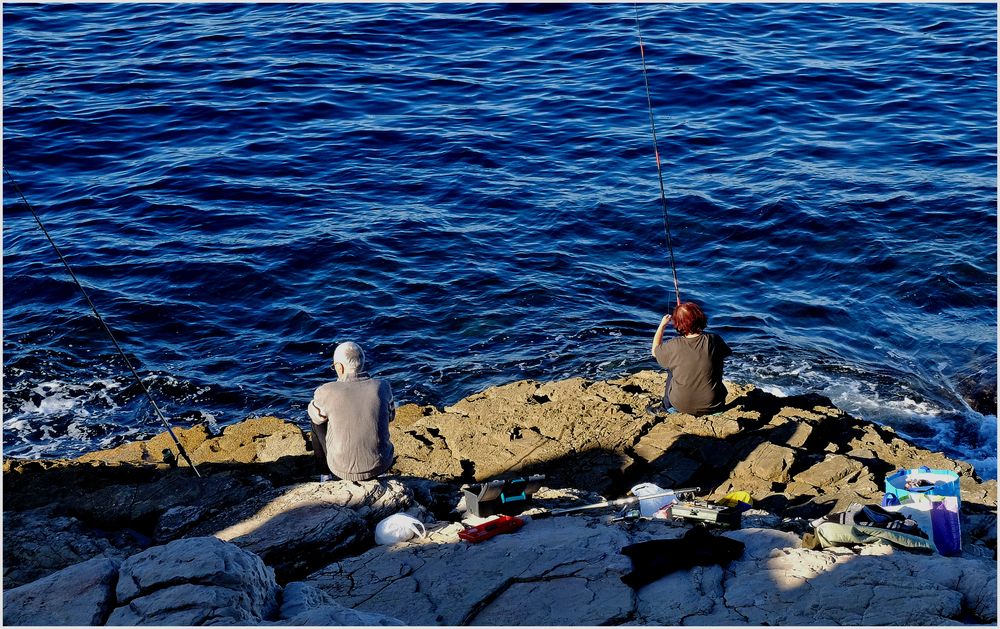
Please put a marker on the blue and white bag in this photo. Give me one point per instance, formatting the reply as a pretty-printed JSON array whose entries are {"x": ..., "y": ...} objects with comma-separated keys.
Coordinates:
[{"x": 933, "y": 499}]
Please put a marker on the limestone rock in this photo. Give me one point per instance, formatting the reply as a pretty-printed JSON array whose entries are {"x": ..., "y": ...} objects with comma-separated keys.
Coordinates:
[
  {"x": 693, "y": 597},
  {"x": 801, "y": 433},
  {"x": 303, "y": 604},
  {"x": 177, "y": 520},
  {"x": 441, "y": 499},
  {"x": 683, "y": 597},
  {"x": 765, "y": 465},
  {"x": 979, "y": 530},
  {"x": 37, "y": 543},
  {"x": 194, "y": 581},
  {"x": 984, "y": 493},
  {"x": 300, "y": 528},
  {"x": 714, "y": 426},
  {"x": 794, "y": 586},
  {"x": 525, "y": 426},
  {"x": 571, "y": 574},
  {"x": 215, "y": 493},
  {"x": 799, "y": 457},
  {"x": 186, "y": 604},
  {"x": 82, "y": 594},
  {"x": 159, "y": 449},
  {"x": 568, "y": 568},
  {"x": 421, "y": 451},
  {"x": 832, "y": 471},
  {"x": 407, "y": 414},
  {"x": 111, "y": 496},
  {"x": 255, "y": 440}
]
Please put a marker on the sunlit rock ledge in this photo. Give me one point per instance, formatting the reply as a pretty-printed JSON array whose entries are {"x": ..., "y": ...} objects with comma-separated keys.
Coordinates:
[{"x": 101, "y": 517}]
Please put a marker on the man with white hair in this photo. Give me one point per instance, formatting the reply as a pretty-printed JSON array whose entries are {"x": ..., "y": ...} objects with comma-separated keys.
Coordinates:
[{"x": 350, "y": 419}]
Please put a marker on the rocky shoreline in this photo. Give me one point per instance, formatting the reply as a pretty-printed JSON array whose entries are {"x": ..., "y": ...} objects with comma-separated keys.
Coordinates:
[{"x": 131, "y": 536}]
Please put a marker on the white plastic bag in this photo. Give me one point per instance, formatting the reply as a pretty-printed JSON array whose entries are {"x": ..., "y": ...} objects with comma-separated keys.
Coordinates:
[
  {"x": 648, "y": 507},
  {"x": 398, "y": 527}
]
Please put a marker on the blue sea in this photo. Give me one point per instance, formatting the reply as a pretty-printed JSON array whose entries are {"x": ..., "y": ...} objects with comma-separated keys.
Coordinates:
[{"x": 470, "y": 192}]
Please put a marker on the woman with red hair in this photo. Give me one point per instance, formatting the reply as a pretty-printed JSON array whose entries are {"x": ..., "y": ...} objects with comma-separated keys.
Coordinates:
[{"x": 693, "y": 361}]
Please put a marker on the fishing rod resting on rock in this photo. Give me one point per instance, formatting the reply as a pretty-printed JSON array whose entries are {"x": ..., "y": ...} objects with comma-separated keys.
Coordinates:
[
  {"x": 107, "y": 329},
  {"x": 509, "y": 523},
  {"x": 621, "y": 502}
]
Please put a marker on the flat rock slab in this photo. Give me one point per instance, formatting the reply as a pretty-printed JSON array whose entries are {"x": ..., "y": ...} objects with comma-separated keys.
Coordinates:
[
  {"x": 576, "y": 429},
  {"x": 876, "y": 586},
  {"x": 303, "y": 604},
  {"x": 83, "y": 594},
  {"x": 567, "y": 570},
  {"x": 298, "y": 528},
  {"x": 551, "y": 572}
]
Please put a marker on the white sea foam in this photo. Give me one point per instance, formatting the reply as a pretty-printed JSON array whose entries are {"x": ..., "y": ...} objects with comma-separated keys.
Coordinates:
[
  {"x": 17, "y": 424},
  {"x": 56, "y": 397},
  {"x": 77, "y": 430},
  {"x": 773, "y": 390},
  {"x": 941, "y": 426},
  {"x": 60, "y": 418},
  {"x": 213, "y": 424},
  {"x": 986, "y": 463}
]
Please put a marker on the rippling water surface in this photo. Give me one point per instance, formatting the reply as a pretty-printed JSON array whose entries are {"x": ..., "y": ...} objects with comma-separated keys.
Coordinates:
[{"x": 468, "y": 190}]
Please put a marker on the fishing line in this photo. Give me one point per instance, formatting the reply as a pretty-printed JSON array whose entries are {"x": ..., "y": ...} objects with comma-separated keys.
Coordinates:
[
  {"x": 128, "y": 363},
  {"x": 656, "y": 150}
]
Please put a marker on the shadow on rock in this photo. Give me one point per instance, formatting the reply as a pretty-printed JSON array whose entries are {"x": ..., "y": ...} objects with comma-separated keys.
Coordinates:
[{"x": 274, "y": 509}]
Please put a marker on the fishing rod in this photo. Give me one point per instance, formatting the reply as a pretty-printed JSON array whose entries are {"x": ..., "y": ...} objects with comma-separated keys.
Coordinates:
[
  {"x": 656, "y": 150},
  {"x": 621, "y": 502},
  {"x": 128, "y": 363}
]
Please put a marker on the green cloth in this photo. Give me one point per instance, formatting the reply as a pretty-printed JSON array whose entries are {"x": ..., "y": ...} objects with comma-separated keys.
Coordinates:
[{"x": 834, "y": 534}]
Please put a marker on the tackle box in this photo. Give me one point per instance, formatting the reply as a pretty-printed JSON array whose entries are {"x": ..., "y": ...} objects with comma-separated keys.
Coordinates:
[
  {"x": 508, "y": 497},
  {"x": 716, "y": 515}
]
